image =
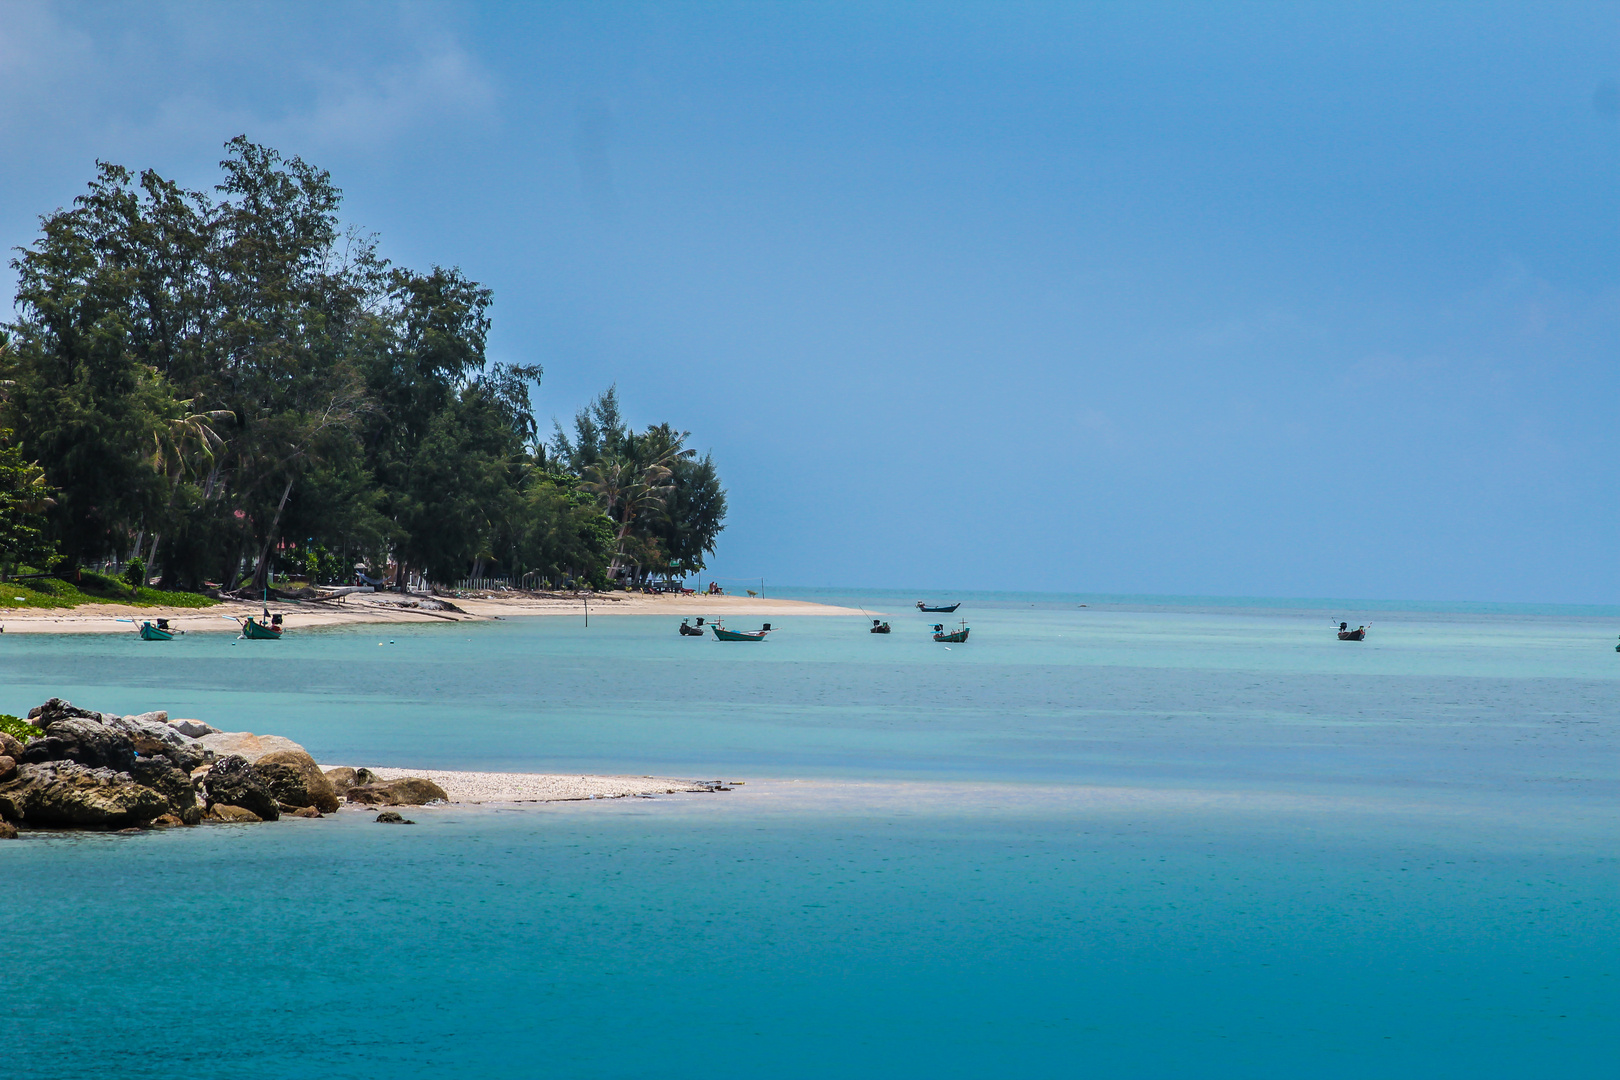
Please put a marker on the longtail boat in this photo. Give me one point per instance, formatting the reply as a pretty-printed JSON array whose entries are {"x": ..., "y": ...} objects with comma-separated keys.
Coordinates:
[
  {"x": 722, "y": 634},
  {"x": 257, "y": 631},
  {"x": 158, "y": 632},
  {"x": 1347, "y": 634},
  {"x": 941, "y": 610},
  {"x": 952, "y": 637},
  {"x": 879, "y": 627}
]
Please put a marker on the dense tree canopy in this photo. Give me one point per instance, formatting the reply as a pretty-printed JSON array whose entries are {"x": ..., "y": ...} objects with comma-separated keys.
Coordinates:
[{"x": 221, "y": 383}]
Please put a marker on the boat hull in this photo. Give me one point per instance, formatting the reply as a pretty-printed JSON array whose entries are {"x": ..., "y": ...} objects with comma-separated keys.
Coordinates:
[
  {"x": 939, "y": 610},
  {"x": 732, "y": 635},
  {"x": 955, "y": 637},
  {"x": 1352, "y": 635},
  {"x": 259, "y": 632},
  {"x": 152, "y": 633}
]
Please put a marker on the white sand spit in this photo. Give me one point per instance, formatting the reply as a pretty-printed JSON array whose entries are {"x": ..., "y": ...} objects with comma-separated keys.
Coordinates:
[{"x": 482, "y": 787}]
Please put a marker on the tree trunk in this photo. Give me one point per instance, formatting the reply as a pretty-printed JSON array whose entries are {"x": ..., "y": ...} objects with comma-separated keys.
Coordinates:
[
  {"x": 151, "y": 559},
  {"x": 261, "y": 573}
]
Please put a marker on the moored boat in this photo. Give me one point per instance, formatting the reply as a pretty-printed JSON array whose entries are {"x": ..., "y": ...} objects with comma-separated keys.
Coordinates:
[
  {"x": 951, "y": 637},
  {"x": 722, "y": 634},
  {"x": 159, "y": 631},
  {"x": 940, "y": 610},
  {"x": 1347, "y": 634},
  {"x": 879, "y": 627}
]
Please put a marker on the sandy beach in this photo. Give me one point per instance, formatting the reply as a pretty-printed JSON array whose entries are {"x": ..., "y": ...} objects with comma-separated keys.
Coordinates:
[{"x": 398, "y": 608}]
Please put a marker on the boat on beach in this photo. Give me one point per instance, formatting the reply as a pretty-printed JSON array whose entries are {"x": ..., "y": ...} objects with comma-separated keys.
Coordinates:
[
  {"x": 939, "y": 610},
  {"x": 722, "y": 634},
  {"x": 951, "y": 637}
]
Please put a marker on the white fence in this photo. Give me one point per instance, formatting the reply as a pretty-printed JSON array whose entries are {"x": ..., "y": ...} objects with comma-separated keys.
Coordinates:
[{"x": 482, "y": 583}]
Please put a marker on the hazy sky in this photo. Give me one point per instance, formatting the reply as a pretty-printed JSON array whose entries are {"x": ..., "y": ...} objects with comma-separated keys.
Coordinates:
[{"x": 1285, "y": 300}]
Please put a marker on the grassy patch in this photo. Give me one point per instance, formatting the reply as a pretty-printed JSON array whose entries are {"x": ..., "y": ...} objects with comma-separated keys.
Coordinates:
[
  {"x": 18, "y": 729},
  {"x": 92, "y": 588}
]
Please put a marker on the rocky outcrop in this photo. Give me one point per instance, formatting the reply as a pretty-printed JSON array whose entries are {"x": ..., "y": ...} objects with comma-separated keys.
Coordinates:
[
  {"x": 234, "y": 782},
  {"x": 43, "y": 716},
  {"x": 388, "y": 817},
  {"x": 150, "y": 736},
  {"x": 246, "y": 745},
  {"x": 295, "y": 780},
  {"x": 84, "y": 740},
  {"x": 67, "y": 793},
  {"x": 8, "y": 831},
  {"x": 406, "y": 791},
  {"x": 164, "y": 776}
]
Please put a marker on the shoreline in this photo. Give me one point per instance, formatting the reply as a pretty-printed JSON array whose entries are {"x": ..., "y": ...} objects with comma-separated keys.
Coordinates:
[{"x": 394, "y": 608}]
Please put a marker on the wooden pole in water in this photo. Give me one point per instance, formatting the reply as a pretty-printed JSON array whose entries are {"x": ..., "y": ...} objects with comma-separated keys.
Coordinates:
[{"x": 587, "y": 610}]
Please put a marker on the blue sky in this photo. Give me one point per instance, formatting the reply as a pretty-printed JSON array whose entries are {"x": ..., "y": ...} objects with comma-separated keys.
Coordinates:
[{"x": 1252, "y": 299}]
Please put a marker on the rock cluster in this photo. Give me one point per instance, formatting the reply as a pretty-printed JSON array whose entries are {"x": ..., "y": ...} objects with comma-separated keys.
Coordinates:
[{"x": 100, "y": 770}]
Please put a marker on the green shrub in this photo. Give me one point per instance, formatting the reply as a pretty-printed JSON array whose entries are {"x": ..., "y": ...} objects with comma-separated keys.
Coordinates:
[
  {"x": 21, "y": 730},
  {"x": 135, "y": 574}
]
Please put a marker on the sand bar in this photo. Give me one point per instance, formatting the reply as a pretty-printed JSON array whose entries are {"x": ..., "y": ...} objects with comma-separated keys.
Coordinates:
[
  {"x": 397, "y": 608},
  {"x": 489, "y": 787}
]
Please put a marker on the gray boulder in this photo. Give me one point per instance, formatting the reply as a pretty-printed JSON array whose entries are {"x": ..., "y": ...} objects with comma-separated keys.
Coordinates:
[
  {"x": 406, "y": 791},
  {"x": 89, "y": 742},
  {"x": 294, "y": 779},
  {"x": 388, "y": 817},
  {"x": 156, "y": 737},
  {"x": 341, "y": 779},
  {"x": 234, "y": 782},
  {"x": 194, "y": 729},
  {"x": 246, "y": 745},
  {"x": 66, "y": 793},
  {"x": 43, "y": 716},
  {"x": 163, "y": 776}
]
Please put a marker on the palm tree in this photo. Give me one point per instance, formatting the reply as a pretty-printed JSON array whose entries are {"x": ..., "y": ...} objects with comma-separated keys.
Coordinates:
[
  {"x": 180, "y": 445},
  {"x": 636, "y": 483}
]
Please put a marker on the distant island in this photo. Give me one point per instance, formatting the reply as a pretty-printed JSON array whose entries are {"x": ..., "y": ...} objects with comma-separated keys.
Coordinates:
[{"x": 211, "y": 393}]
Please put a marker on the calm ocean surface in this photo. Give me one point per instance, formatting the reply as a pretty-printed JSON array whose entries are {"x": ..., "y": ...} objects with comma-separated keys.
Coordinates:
[{"x": 1143, "y": 837}]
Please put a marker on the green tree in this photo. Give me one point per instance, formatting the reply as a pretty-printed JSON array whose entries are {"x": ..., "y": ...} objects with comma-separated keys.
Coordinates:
[{"x": 25, "y": 499}]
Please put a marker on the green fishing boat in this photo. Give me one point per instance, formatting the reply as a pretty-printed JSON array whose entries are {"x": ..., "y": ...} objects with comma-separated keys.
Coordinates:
[
  {"x": 722, "y": 634},
  {"x": 954, "y": 637},
  {"x": 160, "y": 632},
  {"x": 252, "y": 628}
]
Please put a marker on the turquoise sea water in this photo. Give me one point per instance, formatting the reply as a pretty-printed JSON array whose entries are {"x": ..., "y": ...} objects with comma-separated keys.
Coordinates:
[{"x": 1137, "y": 838}]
